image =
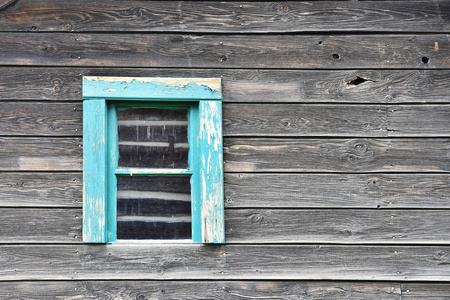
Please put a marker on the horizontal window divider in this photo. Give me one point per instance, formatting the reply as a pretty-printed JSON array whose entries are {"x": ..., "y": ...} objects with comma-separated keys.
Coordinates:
[{"x": 148, "y": 171}]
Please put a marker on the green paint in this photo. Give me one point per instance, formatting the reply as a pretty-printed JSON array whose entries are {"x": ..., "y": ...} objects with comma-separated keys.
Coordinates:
[
  {"x": 205, "y": 154},
  {"x": 136, "y": 89},
  {"x": 113, "y": 158},
  {"x": 194, "y": 164},
  {"x": 211, "y": 172},
  {"x": 94, "y": 171}
]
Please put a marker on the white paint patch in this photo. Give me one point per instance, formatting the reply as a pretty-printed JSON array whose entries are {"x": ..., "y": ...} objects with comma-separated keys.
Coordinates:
[
  {"x": 152, "y": 123},
  {"x": 137, "y": 171},
  {"x": 153, "y": 195},
  {"x": 173, "y": 219},
  {"x": 154, "y": 144}
]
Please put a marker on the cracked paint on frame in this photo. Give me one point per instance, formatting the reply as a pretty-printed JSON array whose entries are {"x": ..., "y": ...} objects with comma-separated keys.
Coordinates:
[{"x": 143, "y": 88}]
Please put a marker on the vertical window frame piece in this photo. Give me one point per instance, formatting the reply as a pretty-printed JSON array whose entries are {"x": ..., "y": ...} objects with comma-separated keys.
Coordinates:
[
  {"x": 205, "y": 156},
  {"x": 94, "y": 171}
]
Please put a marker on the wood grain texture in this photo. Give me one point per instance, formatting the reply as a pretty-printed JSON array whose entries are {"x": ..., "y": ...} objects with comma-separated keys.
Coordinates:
[
  {"x": 234, "y": 262},
  {"x": 336, "y": 120},
  {"x": 302, "y": 120},
  {"x": 226, "y": 51},
  {"x": 416, "y": 291},
  {"x": 227, "y": 17},
  {"x": 196, "y": 290},
  {"x": 40, "y": 154},
  {"x": 305, "y": 120},
  {"x": 382, "y": 86},
  {"x": 248, "y": 190},
  {"x": 258, "y": 190},
  {"x": 31, "y": 118},
  {"x": 254, "y": 226},
  {"x": 426, "y": 120},
  {"x": 346, "y": 226},
  {"x": 41, "y": 189},
  {"x": 336, "y": 155},
  {"x": 25, "y": 225},
  {"x": 258, "y": 155}
]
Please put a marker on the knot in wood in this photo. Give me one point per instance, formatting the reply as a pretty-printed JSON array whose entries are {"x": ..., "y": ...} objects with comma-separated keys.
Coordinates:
[
  {"x": 68, "y": 26},
  {"x": 256, "y": 218},
  {"x": 137, "y": 12},
  {"x": 56, "y": 81},
  {"x": 358, "y": 151},
  {"x": 47, "y": 47},
  {"x": 283, "y": 8},
  {"x": 141, "y": 297}
]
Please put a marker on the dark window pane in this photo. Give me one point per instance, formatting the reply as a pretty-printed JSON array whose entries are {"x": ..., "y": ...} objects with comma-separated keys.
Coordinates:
[
  {"x": 153, "y": 207},
  {"x": 153, "y": 138}
]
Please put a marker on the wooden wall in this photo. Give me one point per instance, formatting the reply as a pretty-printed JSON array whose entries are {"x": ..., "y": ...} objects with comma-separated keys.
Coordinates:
[{"x": 337, "y": 147}]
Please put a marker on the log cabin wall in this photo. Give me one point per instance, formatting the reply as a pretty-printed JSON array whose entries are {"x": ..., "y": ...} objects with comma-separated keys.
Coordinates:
[{"x": 336, "y": 146}]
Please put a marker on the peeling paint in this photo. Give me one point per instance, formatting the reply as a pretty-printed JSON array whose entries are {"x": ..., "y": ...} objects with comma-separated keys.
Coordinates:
[
  {"x": 148, "y": 88},
  {"x": 205, "y": 137},
  {"x": 211, "y": 172}
]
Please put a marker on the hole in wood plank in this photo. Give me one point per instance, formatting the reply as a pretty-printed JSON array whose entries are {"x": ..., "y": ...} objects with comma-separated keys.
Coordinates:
[
  {"x": 425, "y": 60},
  {"x": 356, "y": 81},
  {"x": 336, "y": 56}
]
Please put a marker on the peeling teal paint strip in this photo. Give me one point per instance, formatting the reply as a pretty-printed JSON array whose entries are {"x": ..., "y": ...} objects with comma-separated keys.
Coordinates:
[
  {"x": 211, "y": 172},
  {"x": 113, "y": 158},
  {"x": 94, "y": 171},
  {"x": 137, "y": 89},
  {"x": 194, "y": 165}
]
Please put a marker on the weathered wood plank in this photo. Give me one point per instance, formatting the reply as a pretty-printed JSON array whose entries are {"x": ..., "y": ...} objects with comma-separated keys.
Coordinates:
[
  {"x": 200, "y": 262},
  {"x": 261, "y": 155},
  {"x": 40, "y": 154},
  {"x": 336, "y": 155},
  {"x": 258, "y": 190},
  {"x": 250, "y": 226},
  {"x": 28, "y": 118},
  {"x": 45, "y": 119},
  {"x": 417, "y": 291},
  {"x": 41, "y": 189},
  {"x": 196, "y": 290},
  {"x": 336, "y": 120},
  {"x": 226, "y": 17},
  {"x": 305, "y": 120},
  {"x": 426, "y": 120},
  {"x": 347, "y": 226},
  {"x": 40, "y": 225},
  {"x": 226, "y": 51},
  {"x": 382, "y": 86},
  {"x": 337, "y": 190}
]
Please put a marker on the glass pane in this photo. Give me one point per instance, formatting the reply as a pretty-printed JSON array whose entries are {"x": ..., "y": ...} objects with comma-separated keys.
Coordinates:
[
  {"x": 153, "y": 138},
  {"x": 153, "y": 207}
]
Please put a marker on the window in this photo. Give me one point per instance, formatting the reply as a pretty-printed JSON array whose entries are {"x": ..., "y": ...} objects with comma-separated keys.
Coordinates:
[{"x": 132, "y": 168}]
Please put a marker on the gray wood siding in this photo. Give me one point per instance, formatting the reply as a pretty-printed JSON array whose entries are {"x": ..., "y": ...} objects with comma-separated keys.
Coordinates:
[{"x": 336, "y": 123}]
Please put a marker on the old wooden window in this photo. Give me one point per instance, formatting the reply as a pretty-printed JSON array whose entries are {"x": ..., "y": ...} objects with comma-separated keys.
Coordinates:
[{"x": 152, "y": 151}]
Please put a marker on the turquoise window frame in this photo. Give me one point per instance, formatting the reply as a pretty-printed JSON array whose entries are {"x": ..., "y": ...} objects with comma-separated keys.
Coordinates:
[{"x": 203, "y": 99}]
